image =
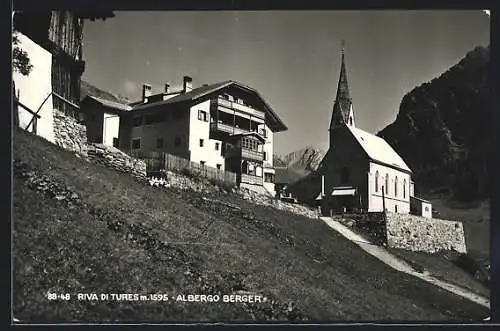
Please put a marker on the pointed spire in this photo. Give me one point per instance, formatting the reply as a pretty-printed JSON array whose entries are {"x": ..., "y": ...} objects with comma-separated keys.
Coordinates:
[{"x": 342, "y": 100}]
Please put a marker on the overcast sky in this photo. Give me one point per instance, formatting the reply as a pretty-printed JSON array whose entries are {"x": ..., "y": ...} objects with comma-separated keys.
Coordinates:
[{"x": 291, "y": 57}]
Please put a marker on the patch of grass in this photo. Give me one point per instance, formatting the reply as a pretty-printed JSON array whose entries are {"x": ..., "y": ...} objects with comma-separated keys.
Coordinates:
[
  {"x": 451, "y": 267},
  {"x": 127, "y": 237}
]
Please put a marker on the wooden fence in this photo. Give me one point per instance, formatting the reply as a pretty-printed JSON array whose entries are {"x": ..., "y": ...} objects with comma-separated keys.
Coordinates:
[{"x": 157, "y": 161}]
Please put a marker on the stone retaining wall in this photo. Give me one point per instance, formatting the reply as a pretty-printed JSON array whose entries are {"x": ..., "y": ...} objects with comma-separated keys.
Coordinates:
[
  {"x": 417, "y": 233},
  {"x": 69, "y": 134},
  {"x": 116, "y": 159}
]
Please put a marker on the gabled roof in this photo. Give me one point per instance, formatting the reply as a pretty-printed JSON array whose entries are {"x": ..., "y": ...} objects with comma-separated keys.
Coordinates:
[
  {"x": 188, "y": 96},
  {"x": 419, "y": 199},
  {"x": 378, "y": 149},
  {"x": 109, "y": 103},
  {"x": 202, "y": 91}
]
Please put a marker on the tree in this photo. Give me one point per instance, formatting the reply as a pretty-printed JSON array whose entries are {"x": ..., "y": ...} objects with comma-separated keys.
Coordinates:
[
  {"x": 20, "y": 63},
  {"x": 20, "y": 60}
]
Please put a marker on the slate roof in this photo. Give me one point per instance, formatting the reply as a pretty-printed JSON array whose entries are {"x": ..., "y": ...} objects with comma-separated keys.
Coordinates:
[
  {"x": 378, "y": 149},
  {"x": 110, "y": 104},
  {"x": 419, "y": 199},
  {"x": 201, "y": 91}
]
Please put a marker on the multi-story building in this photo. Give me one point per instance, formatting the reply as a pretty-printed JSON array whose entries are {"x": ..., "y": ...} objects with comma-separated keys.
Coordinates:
[{"x": 225, "y": 125}]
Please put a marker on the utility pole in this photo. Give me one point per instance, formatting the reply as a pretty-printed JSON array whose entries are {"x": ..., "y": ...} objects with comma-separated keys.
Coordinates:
[{"x": 383, "y": 199}]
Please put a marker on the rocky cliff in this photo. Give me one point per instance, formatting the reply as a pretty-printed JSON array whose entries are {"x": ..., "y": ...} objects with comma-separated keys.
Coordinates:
[
  {"x": 306, "y": 159},
  {"x": 442, "y": 129}
]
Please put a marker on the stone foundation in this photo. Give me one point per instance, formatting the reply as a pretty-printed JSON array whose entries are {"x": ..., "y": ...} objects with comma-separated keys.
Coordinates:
[
  {"x": 69, "y": 134},
  {"x": 114, "y": 158},
  {"x": 417, "y": 233}
]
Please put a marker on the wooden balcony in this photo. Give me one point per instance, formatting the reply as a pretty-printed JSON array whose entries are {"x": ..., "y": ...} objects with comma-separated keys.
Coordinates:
[
  {"x": 251, "y": 154},
  {"x": 240, "y": 108},
  {"x": 226, "y": 128},
  {"x": 251, "y": 179}
]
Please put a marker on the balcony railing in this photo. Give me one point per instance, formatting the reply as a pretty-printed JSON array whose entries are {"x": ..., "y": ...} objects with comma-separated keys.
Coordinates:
[
  {"x": 226, "y": 128},
  {"x": 250, "y": 179},
  {"x": 251, "y": 154},
  {"x": 242, "y": 108}
]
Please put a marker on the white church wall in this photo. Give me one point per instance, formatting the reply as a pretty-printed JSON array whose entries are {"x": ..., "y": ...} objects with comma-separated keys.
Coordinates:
[
  {"x": 399, "y": 202},
  {"x": 34, "y": 88}
]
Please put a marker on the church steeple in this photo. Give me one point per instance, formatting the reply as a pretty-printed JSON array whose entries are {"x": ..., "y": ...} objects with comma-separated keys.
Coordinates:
[{"x": 342, "y": 107}]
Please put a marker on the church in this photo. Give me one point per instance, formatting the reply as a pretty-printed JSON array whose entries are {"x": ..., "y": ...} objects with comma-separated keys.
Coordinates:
[{"x": 360, "y": 172}]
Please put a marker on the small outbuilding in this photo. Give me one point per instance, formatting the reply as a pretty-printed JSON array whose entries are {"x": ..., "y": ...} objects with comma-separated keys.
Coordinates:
[{"x": 420, "y": 207}]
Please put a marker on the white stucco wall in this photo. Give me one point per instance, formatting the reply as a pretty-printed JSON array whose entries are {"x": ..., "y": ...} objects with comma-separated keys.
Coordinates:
[
  {"x": 34, "y": 88},
  {"x": 426, "y": 209},
  {"x": 111, "y": 126},
  {"x": 199, "y": 129},
  {"x": 167, "y": 130},
  {"x": 375, "y": 202},
  {"x": 268, "y": 162},
  {"x": 268, "y": 147}
]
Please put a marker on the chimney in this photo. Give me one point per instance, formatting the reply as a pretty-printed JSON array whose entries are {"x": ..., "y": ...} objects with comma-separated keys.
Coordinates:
[
  {"x": 167, "y": 86},
  {"x": 146, "y": 92},
  {"x": 188, "y": 84},
  {"x": 322, "y": 185}
]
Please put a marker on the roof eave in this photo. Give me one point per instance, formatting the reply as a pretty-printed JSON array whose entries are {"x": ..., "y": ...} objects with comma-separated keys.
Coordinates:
[{"x": 393, "y": 166}]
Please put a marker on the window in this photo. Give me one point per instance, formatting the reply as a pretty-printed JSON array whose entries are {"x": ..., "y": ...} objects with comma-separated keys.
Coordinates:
[
  {"x": 426, "y": 208},
  {"x": 159, "y": 143},
  {"x": 265, "y": 156},
  {"x": 269, "y": 177},
  {"x": 218, "y": 166},
  {"x": 350, "y": 120},
  {"x": 202, "y": 116},
  {"x": 386, "y": 184},
  {"x": 249, "y": 144},
  {"x": 115, "y": 142},
  {"x": 264, "y": 133},
  {"x": 201, "y": 142},
  {"x": 202, "y": 164},
  {"x": 344, "y": 176},
  {"x": 396, "y": 186},
  {"x": 136, "y": 143},
  {"x": 177, "y": 141},
  {"x": 396, "y": 208},
  {"x": 216, "y": 146},
  {"x": 137, "y": 121},
  {"x": 404, "y": 188},
  {"x": 376, "y": 181}
]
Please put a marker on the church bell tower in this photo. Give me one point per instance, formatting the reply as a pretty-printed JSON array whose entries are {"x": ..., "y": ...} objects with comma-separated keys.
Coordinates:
[{"x": 343, "y": 113}]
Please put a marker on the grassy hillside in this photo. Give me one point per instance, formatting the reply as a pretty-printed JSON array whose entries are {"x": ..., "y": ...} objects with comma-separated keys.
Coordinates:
[{"x": 82, "y": 228}]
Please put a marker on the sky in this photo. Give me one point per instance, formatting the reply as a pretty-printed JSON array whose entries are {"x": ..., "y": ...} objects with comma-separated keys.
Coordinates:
[{"x": 291, "y": 57}]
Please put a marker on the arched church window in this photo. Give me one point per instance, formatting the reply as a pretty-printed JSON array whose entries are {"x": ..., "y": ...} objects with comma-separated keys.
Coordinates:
[
  {"x": 350, "y": 120},
  {"x": 404, "y": 188},
  {"x": 376, "y": 181},
  {"x": 344, "y": 176},
  {"x": 386, "y": 184},
  {"x": 396, "y": 186}
]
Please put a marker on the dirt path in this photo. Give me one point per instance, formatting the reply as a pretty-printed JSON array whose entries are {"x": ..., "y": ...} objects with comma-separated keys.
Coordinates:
[{"x": 400, "y": 265}]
